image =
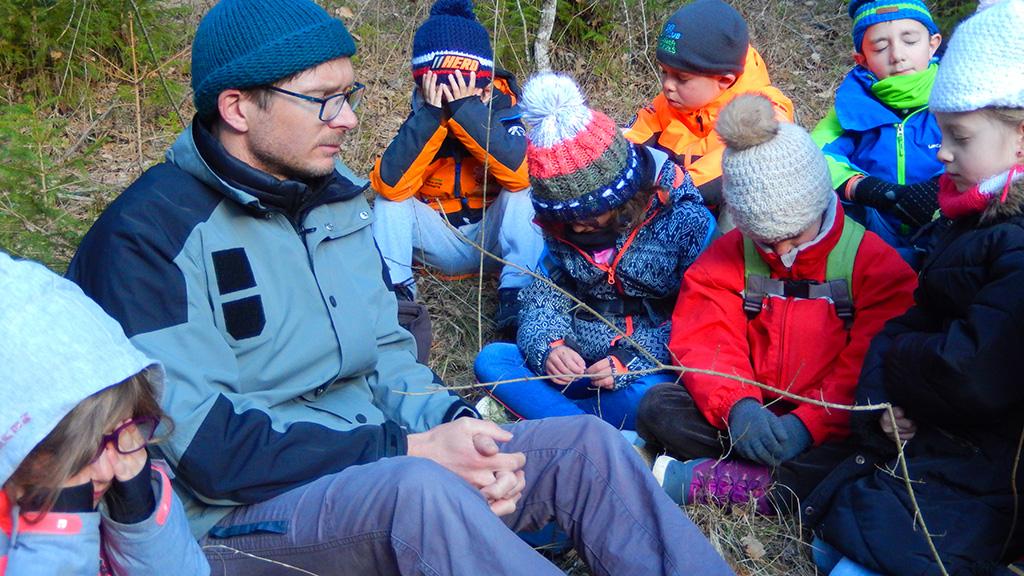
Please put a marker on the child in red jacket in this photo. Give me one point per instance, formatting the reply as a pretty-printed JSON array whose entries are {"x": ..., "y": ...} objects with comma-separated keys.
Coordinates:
[{"x": 790, "y": 299}]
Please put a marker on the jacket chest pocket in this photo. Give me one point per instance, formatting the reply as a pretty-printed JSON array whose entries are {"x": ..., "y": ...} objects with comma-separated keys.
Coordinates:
[{"x": 236, "y": 294}]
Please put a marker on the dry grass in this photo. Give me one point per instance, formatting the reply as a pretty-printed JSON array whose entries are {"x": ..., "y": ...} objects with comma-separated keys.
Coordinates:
[{"x": 806, "y": 47}]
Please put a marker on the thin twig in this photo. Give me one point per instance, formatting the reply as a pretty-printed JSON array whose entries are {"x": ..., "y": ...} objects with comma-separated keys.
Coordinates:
[
  {"x": 138, "y": 96},
  {"x": 526, "y": 33},
  {"x": 1013, "y": 487},
  {"x": 261, "y": 559},
  {"x": 71, "y": 52},
  {"x": 918, "y": 517},
  {"x": 152, "y": 54},
  {"x": 85, "y": 134}
]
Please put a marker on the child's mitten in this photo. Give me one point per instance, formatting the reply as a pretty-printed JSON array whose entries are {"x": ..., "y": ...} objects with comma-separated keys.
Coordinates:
[
  {"x": 757, "y": 434},
  {"x": 798, "y": 438}
]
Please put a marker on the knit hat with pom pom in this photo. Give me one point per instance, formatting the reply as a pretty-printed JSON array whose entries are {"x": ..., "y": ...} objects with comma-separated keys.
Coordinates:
[
  {"x": 451, "y": 39},
  {"x": 774, "y": 178},
  {"x": 984, "y": 64},
  {"x": 580, "y": 165}
]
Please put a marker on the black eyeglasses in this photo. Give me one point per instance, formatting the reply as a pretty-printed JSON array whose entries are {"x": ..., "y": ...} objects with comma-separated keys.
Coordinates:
[
  {"x": 331, "y": 106},
  {"x": 128, "y": 443}
]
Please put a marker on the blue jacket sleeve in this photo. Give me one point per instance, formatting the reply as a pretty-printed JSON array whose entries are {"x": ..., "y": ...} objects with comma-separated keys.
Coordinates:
[
  {"x": 143, "y": 548},
  {"x": 544, "y": 317},
  {"x": 67, "y": 544},
  {"x": 837, "y": 144}
]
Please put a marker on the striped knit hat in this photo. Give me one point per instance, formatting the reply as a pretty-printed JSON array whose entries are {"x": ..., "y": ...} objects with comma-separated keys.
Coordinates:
[
  {"x": 580, "y": 165},
  {"x": 867, "y": 13},
  {"x": 451, "y": 39}
]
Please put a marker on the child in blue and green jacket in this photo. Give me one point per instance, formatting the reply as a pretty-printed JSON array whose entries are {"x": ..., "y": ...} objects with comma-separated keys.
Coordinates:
[{"x": 880, "y": 140}]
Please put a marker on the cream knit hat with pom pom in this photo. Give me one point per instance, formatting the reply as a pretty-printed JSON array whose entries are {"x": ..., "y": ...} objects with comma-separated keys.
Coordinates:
[{"x": 774, "y": 178}]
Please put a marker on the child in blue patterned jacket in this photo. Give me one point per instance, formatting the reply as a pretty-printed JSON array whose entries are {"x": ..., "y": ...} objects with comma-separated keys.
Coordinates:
[
  {"x": 880, "y": 139},
  {"x": 621, "y": 225}
]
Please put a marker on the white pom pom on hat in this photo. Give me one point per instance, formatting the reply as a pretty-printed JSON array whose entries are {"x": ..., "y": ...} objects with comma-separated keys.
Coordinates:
[{"x": 554, "y": 108}]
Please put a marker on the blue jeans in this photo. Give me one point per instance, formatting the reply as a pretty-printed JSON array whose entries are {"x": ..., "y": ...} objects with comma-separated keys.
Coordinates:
[
  {"x": 833, "y": 563},
  {"x": 410, "y": 516},
  {"x": 534, "y": 399}
]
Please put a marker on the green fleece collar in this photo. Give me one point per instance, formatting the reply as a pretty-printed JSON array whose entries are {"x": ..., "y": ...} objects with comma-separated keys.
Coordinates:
[{"x": 906, "y": 92}]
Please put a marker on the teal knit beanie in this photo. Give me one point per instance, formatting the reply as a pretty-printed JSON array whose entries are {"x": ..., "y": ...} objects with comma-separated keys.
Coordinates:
[{"x": 249, "y": 43}]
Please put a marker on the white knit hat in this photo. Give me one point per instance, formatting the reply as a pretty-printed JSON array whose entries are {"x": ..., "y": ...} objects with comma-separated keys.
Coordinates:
[
  {"x": 56, "y": 348},
  {"x": 984, "y": 64},
  {"x": 774, "y": 178}
]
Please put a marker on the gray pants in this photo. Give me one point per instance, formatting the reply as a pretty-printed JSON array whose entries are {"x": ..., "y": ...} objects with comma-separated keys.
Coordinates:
[
  {"x": 411, "y": 516},
  {"x": 411, "y": 230}
]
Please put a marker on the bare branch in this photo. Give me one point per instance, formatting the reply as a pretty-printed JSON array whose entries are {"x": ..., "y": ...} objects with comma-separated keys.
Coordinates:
[{"x": 543, "y": 40}]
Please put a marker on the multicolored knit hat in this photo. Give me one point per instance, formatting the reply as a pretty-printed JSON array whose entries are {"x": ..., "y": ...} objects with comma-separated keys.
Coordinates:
[
  {"x": 580, "y": 164},
  {"x": 451, "y": 39},
  {"x": 247, "y": 43},
  {"x": 983, "y": 65},
  {"x": 866, "y": 14}
]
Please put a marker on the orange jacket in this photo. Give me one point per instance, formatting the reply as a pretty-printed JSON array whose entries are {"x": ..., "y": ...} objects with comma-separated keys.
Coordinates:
[
  {"x": 689, "y": 137},
  {"x": 438, "y": 155},
  {"x": 793, "y": 344}
]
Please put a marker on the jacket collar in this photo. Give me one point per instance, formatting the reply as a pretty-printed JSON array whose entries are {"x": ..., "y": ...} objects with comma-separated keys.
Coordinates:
[
  {"x": 857, "y": 107},
  {"x": 1013, "y": 206},
  {"x": 809, "y": 258},
  {"x": 702, "y": 121},
  {"x": 199, "y": 153}
]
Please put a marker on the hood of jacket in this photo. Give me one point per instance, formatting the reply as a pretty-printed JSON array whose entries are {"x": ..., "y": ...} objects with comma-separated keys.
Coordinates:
[
  {"x": 57, "y": 347},
  {"x": 199, "y": 153}
]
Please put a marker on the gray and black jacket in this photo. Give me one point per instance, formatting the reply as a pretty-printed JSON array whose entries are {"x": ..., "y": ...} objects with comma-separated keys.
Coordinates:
[{"x": 268, "y": 304}]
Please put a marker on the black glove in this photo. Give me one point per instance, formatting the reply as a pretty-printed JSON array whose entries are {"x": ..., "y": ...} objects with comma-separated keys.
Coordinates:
[
  {"x": 918, "y": 203},
  {"x": 877, "y": 193},
  {"x": 913, "y": 204}
]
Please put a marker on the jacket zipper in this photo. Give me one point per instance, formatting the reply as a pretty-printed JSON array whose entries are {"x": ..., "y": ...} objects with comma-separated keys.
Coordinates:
[
  {"x": 782, "y": 341},
  {"x": 457, "y": 185},
  {"x": 901, "y": 151}
]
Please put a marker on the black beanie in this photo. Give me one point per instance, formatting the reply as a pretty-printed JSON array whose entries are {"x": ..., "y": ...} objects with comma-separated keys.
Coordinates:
[{"x": 705, "y": 37}]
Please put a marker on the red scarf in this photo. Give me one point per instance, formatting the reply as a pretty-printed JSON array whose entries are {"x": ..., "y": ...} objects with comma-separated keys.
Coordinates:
[{"x": 955, "y": 204}]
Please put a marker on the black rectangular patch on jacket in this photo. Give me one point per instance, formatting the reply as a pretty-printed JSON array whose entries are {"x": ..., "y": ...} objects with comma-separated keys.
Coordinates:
[
  {"x": 233, "y": 270},
  {"x": 244, "y": 318}
]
